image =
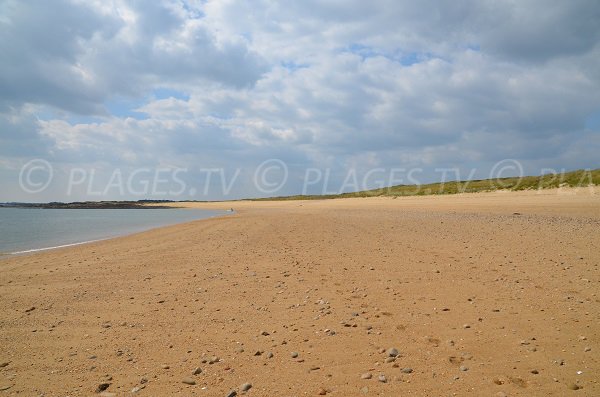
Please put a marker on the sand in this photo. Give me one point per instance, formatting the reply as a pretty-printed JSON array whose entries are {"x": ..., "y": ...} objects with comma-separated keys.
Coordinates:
[{"x": 481, "y": 294}]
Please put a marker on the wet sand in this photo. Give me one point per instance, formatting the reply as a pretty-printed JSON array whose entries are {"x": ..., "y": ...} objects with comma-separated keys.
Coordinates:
[{"x": 481, "y": 294}]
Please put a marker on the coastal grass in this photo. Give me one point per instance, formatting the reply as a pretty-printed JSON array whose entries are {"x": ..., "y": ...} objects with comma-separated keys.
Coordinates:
[{"x": 578, "y": 178}]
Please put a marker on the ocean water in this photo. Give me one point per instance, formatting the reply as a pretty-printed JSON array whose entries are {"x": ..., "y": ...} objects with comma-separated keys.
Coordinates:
[{"x": 30, "y": 229}]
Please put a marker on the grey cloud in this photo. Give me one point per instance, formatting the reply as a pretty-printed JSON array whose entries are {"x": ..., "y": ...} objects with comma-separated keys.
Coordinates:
[{"x": 73, "y": 57}]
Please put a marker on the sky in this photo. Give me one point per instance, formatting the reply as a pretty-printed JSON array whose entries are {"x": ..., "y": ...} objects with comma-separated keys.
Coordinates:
[{"x": 205, "y": 100}]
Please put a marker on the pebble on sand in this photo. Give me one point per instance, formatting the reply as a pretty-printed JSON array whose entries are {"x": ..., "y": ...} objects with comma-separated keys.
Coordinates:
[
  {"x": 188, "y": 381},
  {"x": 246, "y": 386},
  {"x": 366, "y": 375},
  {"x": 382, "y": 378},
  {"x": 294, "y": 354},
  {"x": 393, "y": 352},
  {"x": 407, "y": 370},
  {"x": 197, "y": 371},
  {"x": 102, "y": 386},
  {"x": 232, "y": 393}
]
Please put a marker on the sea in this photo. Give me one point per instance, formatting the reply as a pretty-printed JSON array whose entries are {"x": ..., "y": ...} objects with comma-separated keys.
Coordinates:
[{"x": 25, "y": 230}]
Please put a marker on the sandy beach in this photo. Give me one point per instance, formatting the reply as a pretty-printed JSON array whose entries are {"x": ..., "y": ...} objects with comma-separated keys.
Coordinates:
[{"x": 488, "y": 294}]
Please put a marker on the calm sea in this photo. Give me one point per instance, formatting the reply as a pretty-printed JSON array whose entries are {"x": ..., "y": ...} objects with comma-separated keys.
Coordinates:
[{"x": 25, "y": 229}]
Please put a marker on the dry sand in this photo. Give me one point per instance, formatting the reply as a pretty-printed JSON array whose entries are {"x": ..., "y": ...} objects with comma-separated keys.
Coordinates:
[{"x": 478, "y": 301}]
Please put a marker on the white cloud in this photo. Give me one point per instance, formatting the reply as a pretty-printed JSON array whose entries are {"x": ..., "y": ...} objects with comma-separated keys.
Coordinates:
[{"x": 341, "y": 84}]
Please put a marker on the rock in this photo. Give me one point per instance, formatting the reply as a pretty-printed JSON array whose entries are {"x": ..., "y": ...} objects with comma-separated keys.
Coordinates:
[
  {"x": 587, "y": 349},
  {"x": 102, "y": 386},
  {"x": 2, "y": 388},
  {"x": 188, "y": 381},
  {"x": 213, "y": 359},
  {"x": 165, "y": 366},
  {"x": 232, "y": 393},
  {"x": 264, "y": 333},
  {"x": 322, "y": 392},
  {"x": 32, "y": 308},
  {"x": 390, "y": 359},
  {"x": 463, "y": 368},
  {"x": 393, "y": 352},
  {"x": 366, "y": 375},
  {"x": 294, "y": 354},
  {"x": 407, "y": 370},
  {"x": 197, "y": 371},
  {"x": 136, "y": 389},
  {"x": 382, "y": 378},
  {"x": 466, "y": 326},
  {"x": 535, "y": 371},
  {"x": 4, "y": 364},
  {"x": 269, "y": 355},
  {"x": 364, "y": 390},
  {"x": 573, "y": 386},
  {"x": 246, "y": 386}
]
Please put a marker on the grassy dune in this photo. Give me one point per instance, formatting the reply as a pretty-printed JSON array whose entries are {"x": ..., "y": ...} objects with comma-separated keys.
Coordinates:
[{"x": 577, "y": 178}]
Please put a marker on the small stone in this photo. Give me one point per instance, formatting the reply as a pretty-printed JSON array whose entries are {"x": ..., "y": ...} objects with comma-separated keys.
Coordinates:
[
  {"x": 364, "y": 390},
  {"x": 136, "y": 389},
  {"x": 165, "y": 366},
  {"x": 366, "y": 375},
  {"x": 463, "y": 368},
  {"x": 466, "y": 326},
  {"x": 573, "y": 386},
  {"x": 246, "y": 386},
  {"x": 213, "y": 359},
  {"x": 4, "y": 364},
  {"x": 102, "y": 386},
  {"x": 269, "y": 355},
  {"x": 188, "y": 381},
  {"x": 322, "y": 392},
  {"x": 294, "y": 354},
  {"x": 535, "y": 371},
  {"x": 587, "y": 349},
  {"x": 382, "y": 378},
  {"x": 197, "y": 371},
  {"x": 392, "y": 352},
  {"x": 32, "y": 308},
  {"x": 264, "y": 333},
  {"x": 232, "y": 393},
  {"x": 407, "y": 370}
]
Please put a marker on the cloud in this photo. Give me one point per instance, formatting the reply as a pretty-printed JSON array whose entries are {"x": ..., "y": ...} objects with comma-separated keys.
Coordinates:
[{"x": 336, "y": 84}]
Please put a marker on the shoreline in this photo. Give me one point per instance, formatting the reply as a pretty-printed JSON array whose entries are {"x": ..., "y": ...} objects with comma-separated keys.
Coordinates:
[
  {"x": 31, "y": 251},
  {"x": 307, "y": 298}
]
